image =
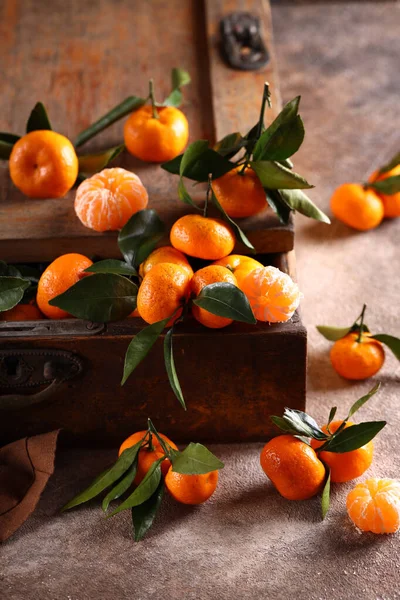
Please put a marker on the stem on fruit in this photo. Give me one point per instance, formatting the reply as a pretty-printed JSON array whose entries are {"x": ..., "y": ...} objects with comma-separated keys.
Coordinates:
[
  {"x": 208, "y": 194},
  {"x": 361, "y": 323},
  {"x": 152, "y": 99},
  {"x": 265, "y": 99}
]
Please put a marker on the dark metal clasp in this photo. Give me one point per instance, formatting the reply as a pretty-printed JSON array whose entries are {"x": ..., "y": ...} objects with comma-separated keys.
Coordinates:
[{"x": 242, "y": 44}]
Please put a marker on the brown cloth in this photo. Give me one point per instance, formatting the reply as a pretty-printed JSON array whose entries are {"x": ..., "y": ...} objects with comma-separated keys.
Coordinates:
[{"x": 25, "y": 468}]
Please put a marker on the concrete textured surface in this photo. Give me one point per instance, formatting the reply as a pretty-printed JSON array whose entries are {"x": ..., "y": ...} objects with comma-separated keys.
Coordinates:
[{"x": 247, "y": 542}]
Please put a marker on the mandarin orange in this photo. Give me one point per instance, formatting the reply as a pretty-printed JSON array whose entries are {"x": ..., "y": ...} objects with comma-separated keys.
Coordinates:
[
  {"x": 43, "y": 164},
  {"x": 191, "y": 489},
  {"x": 202, "y": 237},
  {"x": 391, "y": 202},
  {"x": 357, "y": 207},
  {"x": 374, "y": 505},
  {"x": 240, "y": 265},
  {"x": 165, "y": 254},
  {"x": 355, "y": 359},
  {"x": 22, "y": 312},
  {"x": 240, "y": 193},
  {"x": 156, "y": 139},
  {"x": 147, "y": 456}
]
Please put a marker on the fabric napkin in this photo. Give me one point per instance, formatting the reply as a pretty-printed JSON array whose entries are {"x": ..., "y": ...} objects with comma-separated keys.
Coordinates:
[{"x": 25, "y": 468}]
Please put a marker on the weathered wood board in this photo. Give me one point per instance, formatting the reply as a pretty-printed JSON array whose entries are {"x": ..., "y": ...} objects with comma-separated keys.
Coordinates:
[{"x": 81, "y": 59}]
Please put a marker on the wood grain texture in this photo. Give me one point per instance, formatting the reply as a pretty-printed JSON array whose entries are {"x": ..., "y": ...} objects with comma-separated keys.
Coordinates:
[{"x": 81, "y": 60}]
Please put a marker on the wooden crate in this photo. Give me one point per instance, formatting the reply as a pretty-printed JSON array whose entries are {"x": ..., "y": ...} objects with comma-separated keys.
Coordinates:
[{"x": 233, "y": 379}]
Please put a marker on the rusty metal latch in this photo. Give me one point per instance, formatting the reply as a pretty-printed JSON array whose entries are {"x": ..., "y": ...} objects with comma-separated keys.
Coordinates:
[
  {"x": 242, "y": 43},
  {"x": 23, "y": 369},
  {"x": 46, "y": 327}
]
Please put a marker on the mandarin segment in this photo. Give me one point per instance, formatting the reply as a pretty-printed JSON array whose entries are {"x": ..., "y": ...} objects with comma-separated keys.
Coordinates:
[
  {"x": 107, "y": 200},
  {"x": 156, "y": 139},
  {"x": 60, "y": 275},
  {"x": 191, "y": 489},
  {"x": 165, "y": 254},
  {"x": 357, "y": 207},
  {"x": 162, "y": 292},
  {"x": 240, "y": 193},
  {"x": 203, "y": 277},
  {"x": 374, "y": 505},
  {"x": 293, "y": 467},
  {"x": 43, "y": 164},
  {"x": 202, "y": 237},
  {"x": 273, "y": 295},
  {"x": 357, "y": 360},
  {"x": 345, "y": 466}
]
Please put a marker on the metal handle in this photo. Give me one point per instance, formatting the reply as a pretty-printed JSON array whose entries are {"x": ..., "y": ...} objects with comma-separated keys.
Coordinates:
[
  {"x": 242, "y": 43},
  {"x": 21, "y": 369}
]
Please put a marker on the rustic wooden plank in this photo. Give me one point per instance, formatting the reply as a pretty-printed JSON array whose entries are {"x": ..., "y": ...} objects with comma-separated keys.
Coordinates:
[{"x": 107, "y": 52}]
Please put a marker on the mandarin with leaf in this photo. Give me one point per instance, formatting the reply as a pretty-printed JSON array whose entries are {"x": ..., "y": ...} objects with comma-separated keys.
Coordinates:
[
  {"x": 356, "y": 356},
  {"x": 391, "y": 202},
  {"x": 60, "y": 275},
  {"x": 207, "y": 276},
  {"x": 148, "y": 454},
  {"x": 344, "y": 466},
  {"x": 240, "y": 192}
]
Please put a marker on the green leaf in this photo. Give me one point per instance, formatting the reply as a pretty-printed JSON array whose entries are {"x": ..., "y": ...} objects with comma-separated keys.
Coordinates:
[
  {"x": 195, "y": 459},
  {"x": 230, "y": 145},
  {"x": 117, "y": 267},
  {"x": 121, "y": 110},
  {"x": 274, "y": 176},
  {"x": 278, "y": 205},
  {"x": 198, "y": 162},
  {"x": 390, "y": 341},
  {"x": 7, "y": 141},
  {"x": 93, "y": 163},
  {"x": 226, "y": 300},
  {"x": 287, "y": 115},
  {"x": 332, "y": 414},
  {"x": 11, "y": 291},
  {"x": 141, "y": 345},
  {"x": 179, "y": 78},
  {"x": 303, "y": 424},
  {"x": 144, "y": 514},
  {"x": 138, "y": 238},
  {"x": 9, "y": 270},
  {"x": 388, "y": 186},
  {"x": 300, "y": 202},
  {"x": 108, "y": 477},
  {"x": 281, "y": 143},
  {"x": 101, "y": 298},
  {"x": 38, "y": 119},
  {"x": 333, "y": 333},
  {"x": 326, "y": 492},
  {"x": 391, "y": 164},
  {"x": 281, "y": 423},
  {"x": 26, "y": 272},
  {"x": 121, "y": 487},
  {"x": 170, "y": 367},
  {"x": 353, "y": 437},
  {"x": 239, "y": 233},
  {"x": 184, "y": 195},
  {"x": 145, "y": 489},
  {"x": 359, "y": 403}
]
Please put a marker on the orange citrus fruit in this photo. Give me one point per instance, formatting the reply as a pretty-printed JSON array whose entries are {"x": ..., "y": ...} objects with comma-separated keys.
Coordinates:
[
  {"x": 375, "y": 505},
  {"x": 146, "y": 455},
  {"x": 240, "y": 265},
  {"x": 60, "y": 275},
  {"x": 273, "y": 295},
  {"x": 43, "y": 164},
  {"x": 22, "y": 312},
  {"x": 163, "y": 290},
  {"x": 156, "y": 139},
  {"x": 293, "y": 467},
  {"x": 191, "y": 489},
  {"x": 202, "y": 237},
  {"x": 165, "y": 254},
  {"x": 203, "y": 277},
  {"x": 357, "y": 360},
  {"x": 107, "y": 200},
  {"x": 240, "y": 193},
  {"x": 345, "y": 465},
  {"x": 391, "y": 202},
  {"x": 357, "y": 207}
]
